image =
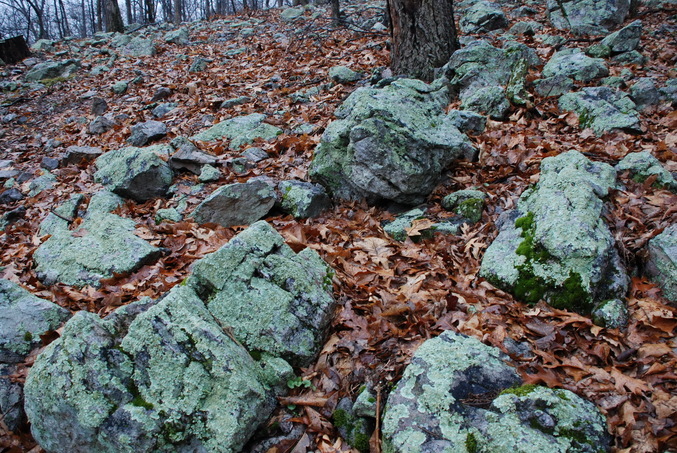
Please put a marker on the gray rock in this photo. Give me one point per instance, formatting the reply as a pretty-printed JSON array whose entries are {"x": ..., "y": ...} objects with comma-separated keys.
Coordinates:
[
  {"x": 389, "y": 143},
  {"x": 75, "y": 155},
  {"x": 23, "y": 318},
  {"x": 612, "y": 314},
  {"x": 468, "y": 204},
  {"x": 536, "y": 257},
  {"x": 613, "y": 82},
  {"x": 432, "y": 408},
  {"x": 630, "y": 58},
  {"x": 483, "y": 16},
  {"x": 139, "y": 47},
  {"x": 553, "y": 86},
  {"x": 170, "y": 214},
  {"x": 598, "y": 50},
  {"x": 625, "y": 39},
  {"x": 49, "y": 163},
  {"x": 43, "y": 45},
  {"x": 236, "y": 204},
  {"x": 669, "y": 91},
  {"x": 398, "y": 229},
  {"x": 103, "y": 202},
  {"x": 190, "y": 157},
  {"x": 146, "y": 132},
  {"x": 150, "y": 377},
  {"x": 343, "y": 74},
  {"x": 161, "y": 93},
  {"x": 12, "y": 413},
  {"x": 178, "y": 36},
  {"x": 163, "y": 109},
  {"x": 103, "y": 245},
  {"x": 292, "y": 14},
  {"x": 240, "y": 130},
  {"x": 662, "y": 263},
  {"x": 602, "y": 109},
  {"x": 643, "y": 165},
  {"x": 275, "y": 300},
  {"x": 574, "y": 63},
  {"x": 198, "y": 65},
  {"x": 467, "y": 121},
  {"x": 52, "y": 70},
  {"x": 136, "y": 173},
  {"x": 99, "y": 106},
  {"x": 355, "y": 430},
  {"x": 120, "y": 40},
  {"x": 365, "y": 403},
  {"x": 645, "y": 93},
  {"x": 119, "y": 87},
  {"x": 491, "y": 101},
  {"x": 527, "y": 28},
  {"x": 588, "y": 17},
  {"x": 100, "y": 125},
  {"x": 255, "y": 154},
  {"x": 43, "y": 182},
  {"x": 230, "y": 103},
  {"x": 209, "y": 174},
  {"x": 61, "y": 216},
  {"x": 303, "y": 199}
]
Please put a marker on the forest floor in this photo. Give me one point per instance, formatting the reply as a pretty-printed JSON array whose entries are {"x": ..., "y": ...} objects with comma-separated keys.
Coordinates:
[{"x": 392, "y": 295}]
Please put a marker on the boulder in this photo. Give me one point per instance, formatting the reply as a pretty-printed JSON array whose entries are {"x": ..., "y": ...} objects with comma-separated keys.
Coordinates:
[
  {"x": 483, "y": 16},
  {"x": 52, "y": 70},
  {"x": 146, "y": 132},
  {"x": 136, "y": 173},
  {"x": 165, "y": 376},
  {"x": 662, "y": 263},
  {"x": 574, "y": 63},
  {"x": 100, "y": 125},
  {"x": 292, "y": 14},
  {"x": 645, "y": 93},
  {"x": 102, "y": 246},
  {"x": 236, "y": 204},
  {"x": 139, "y": 47},
  {"x": 612, "y": 314},
  {"x": 119, "y": 87},
  {"x": 240, "y": 130},
  {"x": 354, "y": 429},
  {"x": 275, "y": 300},
  {"x": 460, "y": 395},
  {"x": 43, "y": 45},
  {"x": 303, "y": 199},
  {"x": 12, "y": 413},
  {"x": 45, "y": 181},
  {"x": 625, "y": 39},
  {"x": 536, "y": 256},
  {"x": 343, "y": 74},
  {"x": 526, "y": 28},
  {"x": 190, "y": 157},
  {"x": 588, "y": 17},
  {"x": 467, "y": 121},
  {"x": 630, "y": 58},
  {"x": 490, "y": 101},
  {"x": 178, "y": 36},
  {"x": 553, "y": 86},
  {"x": 389, "y": 143},
  {"x": 23, "y": 318},
  {"x": 602, "y": 109},
  {"x": 643, "y": 165}
]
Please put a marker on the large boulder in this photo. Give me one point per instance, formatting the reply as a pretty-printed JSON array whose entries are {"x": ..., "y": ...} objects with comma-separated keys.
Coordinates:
[
  {"x": 103, "y": 245},
  {"x": 459, "y": 395},
  {"x": 275, "y": 300},
  {"x": 136, "y": 173},
  {"x": 389, "y": 143},
  {"x": 139, "y": 47},
  {"x": 482, "y": 17},
  {"x": 240, "y": 130},
  {"x": 555, "y": 245},
  {"x": 625, "y": 39},
  {"x": 52, "y": 70},
  {"x": 588, "y": 17},
  {"x": 236, "y": 204},
  {"x": 602, "y": 109},
  {"x": 574, "y": 63},
  {"x": 662, "y": 263},
  {"x": 23, "y": 318}
]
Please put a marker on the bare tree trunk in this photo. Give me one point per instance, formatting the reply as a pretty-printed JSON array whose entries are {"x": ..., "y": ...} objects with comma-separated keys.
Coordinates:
[
  {"x": 128, "y": 8},
  {"x": 113, "y": 17},
  {"x": 150, "y": 11},
  {"x": 177, "y": 12},
  {"x": 336, "y": 12},
  {"x": 423, "y": 36}
]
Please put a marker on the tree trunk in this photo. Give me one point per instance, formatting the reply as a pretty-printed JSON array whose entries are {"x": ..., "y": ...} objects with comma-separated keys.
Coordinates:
[
  {"x": 177, "y": 12},
  {"x": 113, "y": 17},
  {"x": 423, "y": 36},
  {"x": 335, "y": 13}
]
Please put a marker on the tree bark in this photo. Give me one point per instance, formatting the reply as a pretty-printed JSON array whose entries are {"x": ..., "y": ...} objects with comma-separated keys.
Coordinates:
[
  {"x": 113, "y": 17},
  {"x": 336, "y": 13},
  {"x": 423, "y": 36}
]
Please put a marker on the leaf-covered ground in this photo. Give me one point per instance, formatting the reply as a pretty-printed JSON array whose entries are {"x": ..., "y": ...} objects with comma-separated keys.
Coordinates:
[{"x": 392, "y": 295}]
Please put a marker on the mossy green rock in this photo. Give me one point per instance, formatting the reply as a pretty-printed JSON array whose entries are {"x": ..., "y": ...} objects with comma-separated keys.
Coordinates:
[
  {"x": 556, "y": 246},
  {"x": 662, "y": 263},
  {"x": 276, "y": 301},
  {"x": 602, "y": 109},
  {"x": 468, "y": 203},
  {"x": 136, "y": 173},
  {"x": 574, "y": 63},
  {"x": 162, "y": 377},
  {"x": 643, "y": 165},
  {"x": 52, "y": 70},
  {"x": 23, "y": 318},
  {"x": 430, "y": 409},
  {"x": 303, "y": 199},
  {"x": 389, "y": 143},
  {"x": 240, "y": 130}
]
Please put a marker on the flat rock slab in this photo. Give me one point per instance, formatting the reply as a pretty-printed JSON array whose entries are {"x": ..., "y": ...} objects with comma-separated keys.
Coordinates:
[
  {"x": 240, "y": 130},
  {"x": 136, "y": 173},
  {"x": 23, "y": 318},
  {"x": 389, "y": 143},
  {"x": 575, "y": 64},
  {"x": 602, "y": 109},
  {"x": 459, "y": 395},
  {"x": 236, "y": 204},
  {"x": 52, "y": 70},
  {"x": 536, "y": 256},
  {"x": 146, "y": 132}
]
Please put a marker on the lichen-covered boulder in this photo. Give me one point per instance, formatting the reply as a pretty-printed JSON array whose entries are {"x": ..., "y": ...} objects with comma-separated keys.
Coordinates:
[
  {"x": 490, "y": 101},
  {"x": 459, "y": 395},
  {"x": 612, "y": 314},
  {"x": 602, "y": 109},
  {"x": 574, "y": 63},
  {"x": 645, "y": 93},
  {"x": 389, "y": 143},
  {"x": 643, "y": 165},
  {"x": 467, "y": 121},
  {"x": 136, "y": 173},
  {"x": 625, "y": 39},
  {"x": 588, "y": 17},
  {"x": 52, "y": 70},
  {"x": 139, "y": 47},
  {"x": 555, "y": 245},
  {"x": 343, "y": 74},
  {"x": 240, "y": 130},
  {"x": 23, "y": 318},
  {"x": 553, "y": 86},
  {"x": 303, "y": 199},
  {"x": 103, "y": 245},
  {"x": 236, "y": 204},
  {"x": 178, "y": 36},
  {"x": 275, "y": 300},
  {"x": 165, "y": 376},
  {"x": 662, "y": 263},
  {"x": 482, "y": 17}
]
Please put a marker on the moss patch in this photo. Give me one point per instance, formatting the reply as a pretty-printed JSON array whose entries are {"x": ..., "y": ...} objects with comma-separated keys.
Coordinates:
[
  {"x": 471, "y": 443},
  {"x": 522, "y": 390}
]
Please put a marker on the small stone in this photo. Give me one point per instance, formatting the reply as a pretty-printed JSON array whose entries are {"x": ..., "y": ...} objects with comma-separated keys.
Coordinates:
[
  {"x": 662, "y": 263},
  {"x": 163, "y": 109},
  {"x": 230, "y": 103},
  {"x": 631, "y": 58},
  {"x": 146, "y": 132},
  {"x": 645, "y": 93},
  {"x": 209, "y": 174},
  {"x": 190, "y": 157},
  {"x": 236, "y": 204},
  {"x": 49, "y": 163},
  {"x": 612, "y": 314},
  {"x": 161, "y": 93},
  {"x": 292, "y": 14},
  {"x": 99, "y": 106},
  {"x": 75, "y": 155},
  {"x": 170, "y": 214},
  {"x": 255, "y": 154},
  {"x": 303, "y": 199},
  {"x": 488, "y": 100},
  {"x": 343, "y": 74},
  {"x": 198, "y": 65},
  {"x": 119, "y": 87},
  {"x": 468, "y": 204}
]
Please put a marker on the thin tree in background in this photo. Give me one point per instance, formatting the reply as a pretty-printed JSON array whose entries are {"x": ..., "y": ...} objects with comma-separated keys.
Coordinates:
[{"x": 113, "y": 17}]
